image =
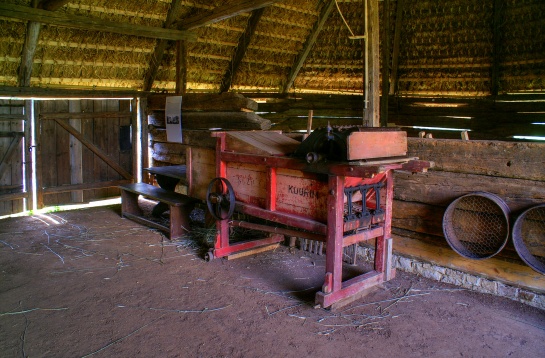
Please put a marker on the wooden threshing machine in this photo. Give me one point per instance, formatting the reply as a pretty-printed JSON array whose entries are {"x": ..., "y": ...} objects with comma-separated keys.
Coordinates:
[{"x": 335, "y": 187}]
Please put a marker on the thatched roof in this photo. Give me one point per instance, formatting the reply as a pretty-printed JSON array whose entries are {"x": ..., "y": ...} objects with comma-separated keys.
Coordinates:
[{"x": 445, "y": 47}]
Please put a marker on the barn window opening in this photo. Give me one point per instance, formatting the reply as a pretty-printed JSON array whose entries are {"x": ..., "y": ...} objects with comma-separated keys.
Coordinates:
[
  {"x": 458, "y": 117},
  {"x": 528, "y": 137},
  {"x": 438, "y": 104}
]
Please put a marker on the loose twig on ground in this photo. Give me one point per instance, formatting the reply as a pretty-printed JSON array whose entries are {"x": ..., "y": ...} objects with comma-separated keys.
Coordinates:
[
  {"x": 59, "y": 256},
  {"x": 204, "y": 310},
  {"x": 32, "y": 310},
  {"x": 122, "y": 338}
]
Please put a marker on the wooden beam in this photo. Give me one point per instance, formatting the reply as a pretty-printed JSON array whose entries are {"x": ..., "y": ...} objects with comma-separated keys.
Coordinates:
[
  {"x": 31, "y": 41},
  {"x": 181, "y": 68},
  {"x": 372, "y": 113},
  {"x": 37, "y": 92},
  {"x": 311, "y": 40},
  {"x": 38, "y": 137},
  {"x": 231, "y": 9},
  {"x": 12, "y": 117},
  {"x": 29, "y": 168},
  {"x": 137, "y": 129},
  {"x": 395, "y": 51},
  {"x": 85, "y": 186},
  {"x": 13, "y": 196},
  {"x": 91, "y": 23},
  {"x": 161, "y": 47},
  {"x": 85, "y": 115},
  {"x": 27, "y": 54},
  {"x": 385, "y": 63},
  {"x": 125, "y": 174},
  {"x": 497, "y": 47},
  {"x": 242, "y": 47}
]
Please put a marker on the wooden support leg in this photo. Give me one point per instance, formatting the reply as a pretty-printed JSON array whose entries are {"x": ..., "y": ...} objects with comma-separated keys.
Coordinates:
[
  {"x": 129, "y": 203},
  {"x": 334, "y": 247}
]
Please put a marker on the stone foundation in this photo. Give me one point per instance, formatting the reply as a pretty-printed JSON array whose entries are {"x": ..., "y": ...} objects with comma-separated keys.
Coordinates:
[{"x": 459, "y": 278}]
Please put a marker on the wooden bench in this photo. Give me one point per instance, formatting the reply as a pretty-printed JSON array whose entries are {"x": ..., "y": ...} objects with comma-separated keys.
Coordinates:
[{"x": 180, "y": 207}]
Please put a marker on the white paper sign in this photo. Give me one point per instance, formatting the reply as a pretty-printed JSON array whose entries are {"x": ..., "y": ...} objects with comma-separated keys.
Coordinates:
[{"x": 173, "y": 118}]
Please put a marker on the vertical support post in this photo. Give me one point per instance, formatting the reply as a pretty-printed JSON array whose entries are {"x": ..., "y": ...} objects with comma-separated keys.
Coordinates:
[
  {"x": 141, "y": 141},
  {"x": 271, "y": 185},
  {"x": 334, "y": 248},
  {"x": 372, "y": 114},
  {"x": 400, "y": 7},
  {"x": 29, "y": 163},
  {"x": 385, "y": 63},
  {"x": 222, "y": 236},
  {"x": 497, "y": 45},
  {"x": 38, "y": 149},
  {"x": 389, "y": 262}
]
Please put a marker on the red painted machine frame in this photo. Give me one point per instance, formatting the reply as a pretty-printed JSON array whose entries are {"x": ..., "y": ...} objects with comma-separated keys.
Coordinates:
[{"x": 339, "y": 176}]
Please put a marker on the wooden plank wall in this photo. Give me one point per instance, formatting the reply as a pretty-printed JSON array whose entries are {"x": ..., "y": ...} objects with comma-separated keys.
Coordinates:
[
  {"x": 57, "y": 153},
  {"x": 12, "y": 180},
  {"x": 490, "y": 118},
  {"x": 513, "y": 171}
]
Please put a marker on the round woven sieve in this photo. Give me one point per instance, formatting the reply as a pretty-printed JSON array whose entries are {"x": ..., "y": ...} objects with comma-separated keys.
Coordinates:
[
  {"x": 476, "y": 225},
  {"x": 529, "y": 237}
]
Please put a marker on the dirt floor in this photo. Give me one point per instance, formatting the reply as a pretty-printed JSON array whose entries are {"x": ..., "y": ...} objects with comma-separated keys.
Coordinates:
[{"x": 88, "y": 283}]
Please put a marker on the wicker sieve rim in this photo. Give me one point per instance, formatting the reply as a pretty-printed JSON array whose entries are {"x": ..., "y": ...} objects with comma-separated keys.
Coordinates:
[
  {"x": 450, "y": 235},
  {"x": 518, "y": 241}
]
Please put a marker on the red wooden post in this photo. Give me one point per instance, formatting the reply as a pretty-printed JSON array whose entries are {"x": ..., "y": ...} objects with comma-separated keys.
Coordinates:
[
  {"x": 271, "y": 186},
  {"x": 334, "y": 249}
]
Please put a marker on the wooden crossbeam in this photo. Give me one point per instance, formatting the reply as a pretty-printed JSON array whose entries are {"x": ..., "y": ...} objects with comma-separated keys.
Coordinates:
[
  {"x": 85, "y": 115},
  {"x": 311, "y": 40},
  {"x": 242, "y": 47},
  {"x": 91, "y": 23},
  {"x": 96, "y": 150},
  {"x": 39, "y": 92},
  {"x": 231, "y": 9}
]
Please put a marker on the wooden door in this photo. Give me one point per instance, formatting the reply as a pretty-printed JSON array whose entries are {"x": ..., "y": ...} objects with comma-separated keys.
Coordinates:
[
  {"x": 13, "y": 182},
  {"x": 84, "y": 148}
]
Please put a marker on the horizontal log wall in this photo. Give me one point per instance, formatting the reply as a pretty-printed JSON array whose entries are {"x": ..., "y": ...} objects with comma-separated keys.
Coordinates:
[
  {"x": 513, "y": 171},
  {"x": 200, "y": 112}
]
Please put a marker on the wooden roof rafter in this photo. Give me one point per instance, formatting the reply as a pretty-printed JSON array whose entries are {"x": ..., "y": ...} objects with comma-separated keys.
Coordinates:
[
  {"x": 223, "y": 12},
  {"x": 309, "y": 43},
  {"x": 242, "y": 47},
  {"x": 31, "y": 41},
  {"x": 226, "y": 11}
]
